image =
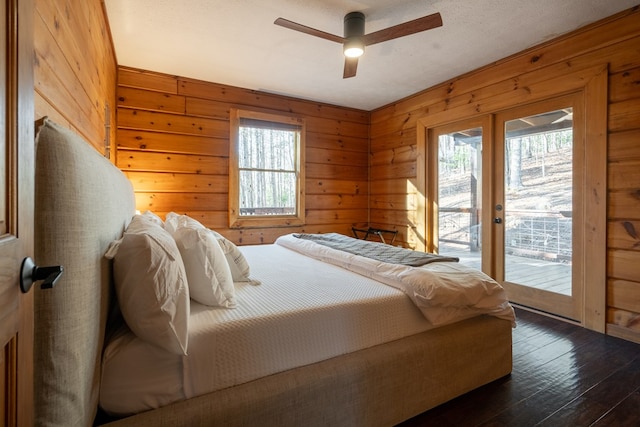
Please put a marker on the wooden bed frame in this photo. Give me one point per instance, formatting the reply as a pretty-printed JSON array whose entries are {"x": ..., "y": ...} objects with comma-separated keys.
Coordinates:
[{"x": 83, "y": 202}]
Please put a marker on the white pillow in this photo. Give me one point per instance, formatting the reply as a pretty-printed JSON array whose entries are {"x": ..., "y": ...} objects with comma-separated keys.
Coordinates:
[
  {"x": 153, "y": 217},
  {"x": 171, "y": 222},
  {"x": 208, "y": 273},
  {"x": 238, "y": 264},
  {"x": 240, "y": 270},
  {"x": 151, "y": 284}
]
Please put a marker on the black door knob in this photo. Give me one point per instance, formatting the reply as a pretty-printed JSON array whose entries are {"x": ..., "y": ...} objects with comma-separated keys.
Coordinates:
[{"x": 31, "y": 273}]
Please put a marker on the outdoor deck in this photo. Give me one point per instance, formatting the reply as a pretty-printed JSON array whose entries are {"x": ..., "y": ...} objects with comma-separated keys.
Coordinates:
[{"x": 540, "y": 274}]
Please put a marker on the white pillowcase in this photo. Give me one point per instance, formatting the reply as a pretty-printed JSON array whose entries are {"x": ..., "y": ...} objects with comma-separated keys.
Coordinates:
[
  {"x": 153, "y": 217},
  {"x": 208, "y": 274},
  {"x": 240, "y": 270},
  {"x": 151, "y": 284},
  {"x": 238, "y": 264}
]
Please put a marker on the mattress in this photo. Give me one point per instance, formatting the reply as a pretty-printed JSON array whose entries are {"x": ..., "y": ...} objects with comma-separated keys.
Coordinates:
[{"x": 304, "y": 311}]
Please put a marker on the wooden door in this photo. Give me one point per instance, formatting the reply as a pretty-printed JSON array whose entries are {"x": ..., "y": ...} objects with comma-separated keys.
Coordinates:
[{"x": 16, "y": 210}]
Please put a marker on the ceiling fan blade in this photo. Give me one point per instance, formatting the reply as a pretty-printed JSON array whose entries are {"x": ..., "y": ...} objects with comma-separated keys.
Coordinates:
[
  {"x": 308, "y": 30},
  {"x": 350, "y": 67},
  {"x": 411, "y": 27}
]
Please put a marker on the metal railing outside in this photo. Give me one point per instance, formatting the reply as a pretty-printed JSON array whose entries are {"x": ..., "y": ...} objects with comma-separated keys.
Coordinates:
[{"x": 529, "y": 233}]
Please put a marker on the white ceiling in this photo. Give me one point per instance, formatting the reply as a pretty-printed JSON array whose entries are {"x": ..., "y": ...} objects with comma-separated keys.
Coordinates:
[{"x": 234, "y": 42}]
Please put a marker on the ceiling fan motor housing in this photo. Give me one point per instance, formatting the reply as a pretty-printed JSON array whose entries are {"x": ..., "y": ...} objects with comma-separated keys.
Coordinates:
[{"x": 353, "y": 25}]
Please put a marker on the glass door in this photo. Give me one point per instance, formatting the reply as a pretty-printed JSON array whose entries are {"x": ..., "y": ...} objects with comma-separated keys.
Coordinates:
[
  {"x": 459, "y": 195},
  {"x": 534, "y": 213},
  {"x": 456, "y": 175},
  {"x": 504, "y": 196}
]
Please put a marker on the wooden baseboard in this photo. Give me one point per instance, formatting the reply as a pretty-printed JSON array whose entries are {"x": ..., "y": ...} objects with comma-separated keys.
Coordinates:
[{"x": 622, "y": 332}]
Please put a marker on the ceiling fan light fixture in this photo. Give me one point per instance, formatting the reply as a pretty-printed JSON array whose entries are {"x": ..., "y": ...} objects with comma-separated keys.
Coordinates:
[
  {"x": 355, "y": 39},
  {"x": 353, "y": 32},
  {"x": 353, "y": 48}
]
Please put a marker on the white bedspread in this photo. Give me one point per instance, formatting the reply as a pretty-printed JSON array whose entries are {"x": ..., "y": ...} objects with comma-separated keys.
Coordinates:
[
  {"x": 445, "y": 292},
  {"x": 304, "y": 311}
]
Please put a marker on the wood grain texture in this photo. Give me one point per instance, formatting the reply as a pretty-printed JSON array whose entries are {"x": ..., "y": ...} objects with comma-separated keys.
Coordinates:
[
  {"x": 166, "y": 143},
  {"x": 623, "y": 264},
  {"x": 149, "y": 100},
  {"x": 584, "y": 47},
  {"x": 624, "y": 145},
  {"x": 181, "y": 202},
  {"x": 623, "y": 294},
  {"x": 75, "y": 68},
  {"x": 74, "y": 96},
  {"x": 171, "y": 162},
  {"x": 623, "y": 235},
  {"x": 147, "y": 81},
  {"x": 534, "y": 73},
  {"x": 177, "y": 182},
  {"x": 171, "y": 123},
  {"x": 174, "y": 146}
]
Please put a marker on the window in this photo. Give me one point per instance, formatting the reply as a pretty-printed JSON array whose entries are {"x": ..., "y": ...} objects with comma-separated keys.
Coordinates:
[{"x": 266, "y": 170}]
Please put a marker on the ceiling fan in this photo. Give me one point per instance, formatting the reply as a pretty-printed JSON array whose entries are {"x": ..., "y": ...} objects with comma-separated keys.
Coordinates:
[{"x": 355, "y": 39}]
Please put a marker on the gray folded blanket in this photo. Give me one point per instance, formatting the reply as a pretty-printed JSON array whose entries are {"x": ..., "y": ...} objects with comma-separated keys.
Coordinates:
[{"x": 375, "y": 250}]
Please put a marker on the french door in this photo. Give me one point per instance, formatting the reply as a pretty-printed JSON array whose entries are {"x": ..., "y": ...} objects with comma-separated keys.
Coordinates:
[
  {"x": 538, "y": 214},
  {"x": 459, "y": 173},
  {"x": 507, "y": 198}
]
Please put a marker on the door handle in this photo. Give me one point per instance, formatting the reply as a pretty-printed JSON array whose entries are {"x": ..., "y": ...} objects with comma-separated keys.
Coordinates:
[
  {"x": 497, "y": 220},
  {"x": 30, "y": 273}
]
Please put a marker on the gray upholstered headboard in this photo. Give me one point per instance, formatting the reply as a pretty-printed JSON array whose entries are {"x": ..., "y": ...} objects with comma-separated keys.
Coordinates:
[{"x": 83, "y": 202}]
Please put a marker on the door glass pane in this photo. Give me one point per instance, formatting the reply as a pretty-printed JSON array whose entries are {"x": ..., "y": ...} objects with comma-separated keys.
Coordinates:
[
  {"x": 459, "y": 195},
  {"x": 538, "y": 200}
]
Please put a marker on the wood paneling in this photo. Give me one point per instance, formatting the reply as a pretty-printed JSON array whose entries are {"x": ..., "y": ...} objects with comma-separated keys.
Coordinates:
[
  {"x": 177, "y": 182},
  {"x": 153, "y": 101},
  {"x": 75, "y": 68},
  {"x": 173, "y": 143},
  {"x": 623, "y": 234},
  {"x": 623, "y": 294},
  {"x": 165, "y": 142},
  {"x": 173, "y": 132},
  {"x": 624, "y": 145},
  {"x": 612, "y": 42},
  {"x": 172, "y": 162}
]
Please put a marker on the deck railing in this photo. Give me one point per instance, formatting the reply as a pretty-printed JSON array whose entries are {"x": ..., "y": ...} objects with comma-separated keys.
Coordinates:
[
  {"x": 539, "y": 234},
  {"x": 262, "y": 211},
  {"x": 529, "y": 233}
]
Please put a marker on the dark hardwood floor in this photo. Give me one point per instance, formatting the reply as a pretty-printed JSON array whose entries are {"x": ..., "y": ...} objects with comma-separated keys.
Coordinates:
[{"x": 563, "y": 375}]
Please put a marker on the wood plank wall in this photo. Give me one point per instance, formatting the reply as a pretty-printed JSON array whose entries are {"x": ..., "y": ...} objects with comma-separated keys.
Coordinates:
[
  {"x": 75, "y": 68},
  {"x": 614, "y": 41},
  {"x": 173, "y": 144},
  {"x": 75, "y": 77}
]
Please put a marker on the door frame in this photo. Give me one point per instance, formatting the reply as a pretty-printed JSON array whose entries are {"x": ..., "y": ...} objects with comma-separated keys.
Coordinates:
[
  {"x": 532, "y": 87},
  {"x": 567, "y": 306}
]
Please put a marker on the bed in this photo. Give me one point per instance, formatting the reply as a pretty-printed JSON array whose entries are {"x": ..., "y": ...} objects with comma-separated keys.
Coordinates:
[{"x": 353, "y": 349}]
